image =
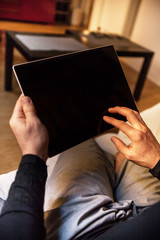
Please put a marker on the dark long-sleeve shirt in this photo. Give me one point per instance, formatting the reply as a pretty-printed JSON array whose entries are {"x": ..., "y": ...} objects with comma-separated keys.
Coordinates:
[{"x": 22, "y": 214}]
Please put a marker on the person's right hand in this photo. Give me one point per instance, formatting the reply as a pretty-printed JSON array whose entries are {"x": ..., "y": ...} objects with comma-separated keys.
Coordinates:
[
  {"x": 144, "y": 149},
  {"x": 31, "y": 134}
]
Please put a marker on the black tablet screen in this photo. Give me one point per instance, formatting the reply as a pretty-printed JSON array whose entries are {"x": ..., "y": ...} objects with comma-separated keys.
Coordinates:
[{"x": 72, "y": 92}]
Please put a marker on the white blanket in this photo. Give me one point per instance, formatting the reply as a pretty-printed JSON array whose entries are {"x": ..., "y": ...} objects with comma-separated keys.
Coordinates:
[{"x": 152, "y": 118}]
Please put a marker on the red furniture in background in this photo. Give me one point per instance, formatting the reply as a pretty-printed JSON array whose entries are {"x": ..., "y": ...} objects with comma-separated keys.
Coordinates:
[{"x": 28, "y": 10}]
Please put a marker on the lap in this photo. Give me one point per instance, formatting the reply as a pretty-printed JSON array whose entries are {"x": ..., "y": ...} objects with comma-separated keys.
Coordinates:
[
  {"x": 83, "y": 200},
  {"x": 87, "y": 195},
  {"x": 136, "y": 183},
  {"x": 81, "y": 170}
]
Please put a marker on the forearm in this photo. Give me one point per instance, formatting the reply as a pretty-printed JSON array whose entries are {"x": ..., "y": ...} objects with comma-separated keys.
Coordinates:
[{"x": 24, "y": 206}]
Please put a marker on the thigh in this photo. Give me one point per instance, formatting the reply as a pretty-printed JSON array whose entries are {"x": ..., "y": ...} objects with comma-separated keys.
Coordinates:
[
  {"x": 136, "y": 183},
  {"x": 81, "y": 194},
  {"x": 79, "y": 171}
]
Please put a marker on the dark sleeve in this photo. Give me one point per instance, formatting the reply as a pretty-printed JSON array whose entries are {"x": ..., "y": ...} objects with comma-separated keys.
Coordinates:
[
  {"x": 156, "y": 170},
  {"x": 22, "y": 214}
]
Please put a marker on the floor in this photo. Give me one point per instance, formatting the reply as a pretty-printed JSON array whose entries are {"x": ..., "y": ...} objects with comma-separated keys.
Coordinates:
[{"x": 10, "y": 154}]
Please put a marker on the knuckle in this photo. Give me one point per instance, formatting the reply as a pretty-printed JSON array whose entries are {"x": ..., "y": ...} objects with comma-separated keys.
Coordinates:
[
  {"x": 128, "y": 156},
  {"x": 11, "y": 122},
  {"x": 144, "y": 129},
  {"x": 130, "y": 113},
  {"x": 117, "y": 107},
  {"x": 135, "y": 112},
  {"x": 139, "y": 136},
  {"x": 121, "y": 123}
]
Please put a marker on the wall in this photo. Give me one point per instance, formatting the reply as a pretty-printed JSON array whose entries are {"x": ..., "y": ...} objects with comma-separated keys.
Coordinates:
[
  {"x": 146, "y": 32},
  {"x": 137, "y": 19},
  {"x": 109, "y": 15}
]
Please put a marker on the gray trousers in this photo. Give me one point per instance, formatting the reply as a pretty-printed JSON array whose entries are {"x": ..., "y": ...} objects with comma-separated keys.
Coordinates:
[{"x": 89, "y": 196}]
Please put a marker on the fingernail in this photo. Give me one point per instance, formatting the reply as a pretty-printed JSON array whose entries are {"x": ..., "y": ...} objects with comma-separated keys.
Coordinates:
[
  {"x": 105, "y": 117},
  {"x": 26, "y": 100}
]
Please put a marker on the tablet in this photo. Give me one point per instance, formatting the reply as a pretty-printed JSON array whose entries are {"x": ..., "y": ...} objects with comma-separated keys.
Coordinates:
[{"x": 72, "y": 92}]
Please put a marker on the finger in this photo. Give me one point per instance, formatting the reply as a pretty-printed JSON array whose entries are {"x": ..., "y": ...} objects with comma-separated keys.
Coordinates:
[
  {"x": 127, "y": 112},
  {"x": 28, "y": 107},
  {"x": 121, "y": 125},
  {"x": 120, "y": 145},
  {"x": 18, "y": 109},
  {"x": 132, "y": 116}
]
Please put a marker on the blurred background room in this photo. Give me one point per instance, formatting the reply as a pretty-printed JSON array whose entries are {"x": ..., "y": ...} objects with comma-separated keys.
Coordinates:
[{"x": 135, "y": 20}]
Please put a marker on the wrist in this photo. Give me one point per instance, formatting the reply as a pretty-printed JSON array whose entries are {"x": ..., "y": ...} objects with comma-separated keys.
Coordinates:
[
  {"x": 41, "y": 155},
  {"x": 155, "y": 171},
  {"x": 155, "y": 160}
]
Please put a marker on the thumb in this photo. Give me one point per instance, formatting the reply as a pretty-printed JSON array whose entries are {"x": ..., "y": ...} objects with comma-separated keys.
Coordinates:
[{"x": 28, "y": 107}]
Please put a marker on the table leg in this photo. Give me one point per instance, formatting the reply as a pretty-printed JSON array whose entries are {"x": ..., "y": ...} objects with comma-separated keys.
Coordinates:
[
  {"x": 8, "y": 64},
  {"x": 142, "y": 76}
]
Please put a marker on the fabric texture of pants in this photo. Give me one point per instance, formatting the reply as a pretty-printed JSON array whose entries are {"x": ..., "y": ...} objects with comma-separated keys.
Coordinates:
[
  {"x": 88, "y": 196},
  {"x": 1, "y": 204}
]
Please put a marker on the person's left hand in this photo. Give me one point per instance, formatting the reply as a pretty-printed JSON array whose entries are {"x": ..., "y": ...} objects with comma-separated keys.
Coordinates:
[
  {"x": 144, "y": 149},
  {"x": 31, "y": 134}
]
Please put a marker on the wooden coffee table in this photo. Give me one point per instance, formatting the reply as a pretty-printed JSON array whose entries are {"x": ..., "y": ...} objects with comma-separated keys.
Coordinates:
[{"x": 123, "y": 46}]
